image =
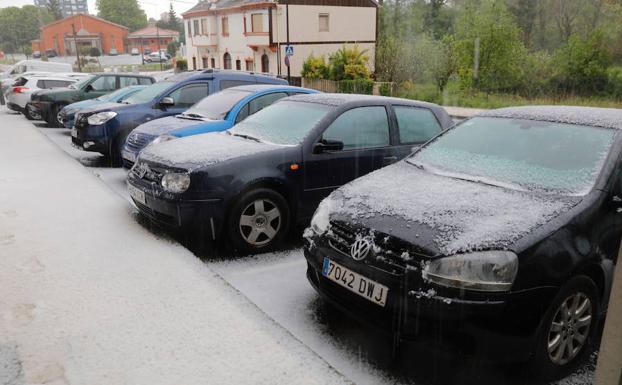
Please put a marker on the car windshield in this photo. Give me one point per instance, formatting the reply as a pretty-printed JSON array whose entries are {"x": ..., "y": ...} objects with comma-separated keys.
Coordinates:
[
  {"x": 520, "y": 154},
  {"x": 147, "y": 94},
  {"x": 113, "y": 95},
  {"x": 216, "y": 106},
  {"x": 285, "y": 122},
  {"x": 80, "y": 83}
]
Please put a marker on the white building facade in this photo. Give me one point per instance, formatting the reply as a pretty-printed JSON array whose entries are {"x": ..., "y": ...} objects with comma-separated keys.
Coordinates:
[{"x": 251, "y": 35}]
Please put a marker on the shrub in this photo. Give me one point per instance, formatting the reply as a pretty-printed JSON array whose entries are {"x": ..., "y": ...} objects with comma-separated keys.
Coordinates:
[
  {"x": 172, "y": 48},
  {"x": 614, "y": 82},
  {"x": 386, "y": 89},
  {"x": 348, "y": 63},
  {"x": 95, "y": 52},
  {"x": 314, "y": 67},
  {"x": 356, "y": 86},
  {"x": 182, "y": 64}
]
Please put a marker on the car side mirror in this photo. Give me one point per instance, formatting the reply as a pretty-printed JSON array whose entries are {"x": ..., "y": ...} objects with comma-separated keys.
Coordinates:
[
  {"x": 167, "y": 101},
  {"x": 327, "y": 145}
]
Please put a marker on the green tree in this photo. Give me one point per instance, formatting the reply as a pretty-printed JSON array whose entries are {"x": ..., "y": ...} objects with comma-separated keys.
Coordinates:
[
  {"x": 489, "y": 51},
  {"x": 18, "y": 26},
  {"x": 125, "y": 12},
  {"x": 314, "y": 67},
  {"x": 54, "y": 9},
  {"x": 582, "y": 64},
  {"x": 348, "y": 63}
]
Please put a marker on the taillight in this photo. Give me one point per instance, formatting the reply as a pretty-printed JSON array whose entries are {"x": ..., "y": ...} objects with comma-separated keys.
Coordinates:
[{"x": 20, "y": 90}]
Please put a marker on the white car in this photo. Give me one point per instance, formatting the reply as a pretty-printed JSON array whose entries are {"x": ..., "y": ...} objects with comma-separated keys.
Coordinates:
[{"x": 20, "y": 94}]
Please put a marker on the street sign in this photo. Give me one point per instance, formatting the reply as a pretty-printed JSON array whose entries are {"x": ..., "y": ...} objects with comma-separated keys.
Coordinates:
[{"x": 289, "y": 50}]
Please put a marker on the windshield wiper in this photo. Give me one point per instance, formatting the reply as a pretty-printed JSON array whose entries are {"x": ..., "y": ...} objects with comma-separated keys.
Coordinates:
[
  {"x": 191, "y": 116},
  {"x": 246, "y": 137}
]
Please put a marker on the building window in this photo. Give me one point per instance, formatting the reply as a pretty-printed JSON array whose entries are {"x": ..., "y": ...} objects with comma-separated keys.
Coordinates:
[
  {"x": 204, "y": 30},
  {"x": 189, "y": 28},
  {"x": 324, "y": 22},
  {"x": 257, "y": 22},
  {"x": 225, "y": 26},
  {"x": 194, "y": 63},
  {"x": 249, "y": 65},
  {"x": 204, "y": 62},
  {"x": 265, "y": 63},
  {"x": 213, "y": 63},
  {"x": 196, "y": 27},
  {"x": 238, "y": 65},
  {"x": 226, "y": 59}
]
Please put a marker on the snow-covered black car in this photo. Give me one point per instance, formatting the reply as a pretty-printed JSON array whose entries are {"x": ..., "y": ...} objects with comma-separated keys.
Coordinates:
[
  {"x": 502, "y": 233},
  {"x": 251, "y": 183}
]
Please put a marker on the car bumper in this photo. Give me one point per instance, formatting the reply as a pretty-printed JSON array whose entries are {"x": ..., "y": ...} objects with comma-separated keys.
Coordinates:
[
  {"x": 129, "y": 155},
  {"x": 14, "y": 107},
  {"x": 90, "y": 138},
  {"x": 176, "y": 214},
  {"x": 500, "y": 329},
  {"x": 43, "y": 108}
]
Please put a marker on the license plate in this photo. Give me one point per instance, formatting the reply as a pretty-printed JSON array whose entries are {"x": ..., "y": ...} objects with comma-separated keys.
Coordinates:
[
  {"x": 128, "y": 156},
  {"x": 356, "y": 283},
  {"x": 135, "y": 193},
  {"x": 74, "y": 133}
]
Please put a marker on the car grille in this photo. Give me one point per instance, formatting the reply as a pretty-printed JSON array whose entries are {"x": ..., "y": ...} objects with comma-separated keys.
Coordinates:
[
  {"x": 139, "y": 141},
  {"x": 167, "y": 219},
  {"x": 390, "y": 254}
]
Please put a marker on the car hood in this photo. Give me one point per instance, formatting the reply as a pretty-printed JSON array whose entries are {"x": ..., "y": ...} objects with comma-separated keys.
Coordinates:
[
  {"x": 441, "y": 215},
  {"x": 106, "y": 106},
  {"x": 198, "y": 151},
  {"x": 169, "y": 125},
  {"x": 74, "y": 107}
]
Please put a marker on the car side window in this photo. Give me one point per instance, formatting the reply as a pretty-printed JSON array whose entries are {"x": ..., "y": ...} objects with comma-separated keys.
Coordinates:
[
  {"x": 40, "y": 84},
  {"x": 264, "y": 101},
  {"x": 144, "y": 81},
  {"x": 127, "y": 81},
  {"x": 104, "y": 83},
  {"x": 416, "y": 125},
  {"x": 189, "y": 94},
  {"x": 361, "y": 127},
  {"x": 228, "y": 83},
  {"x": 243, "y": 114}
]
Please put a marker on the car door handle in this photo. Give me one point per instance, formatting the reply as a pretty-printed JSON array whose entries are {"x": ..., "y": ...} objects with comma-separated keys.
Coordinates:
[{"x": 389, "y": 159}]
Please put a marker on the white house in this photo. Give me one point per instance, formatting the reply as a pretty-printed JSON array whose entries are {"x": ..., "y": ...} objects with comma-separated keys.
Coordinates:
[{"x": 251, "y": 35}]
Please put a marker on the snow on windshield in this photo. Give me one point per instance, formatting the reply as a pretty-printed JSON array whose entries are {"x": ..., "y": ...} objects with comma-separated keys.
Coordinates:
[
  {"x": 535, "y": 155},
  {"x": 216, "y": 106},
  {"x": 202, "y": 150},
  {"x": 464, "y": 215}
]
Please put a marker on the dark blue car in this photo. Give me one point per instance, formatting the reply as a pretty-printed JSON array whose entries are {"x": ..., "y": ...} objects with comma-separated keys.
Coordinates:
[
  {"x": 217, "y": 112},
  {"x": 105, "y": 128},
  {"x": 68, "y": 113}
]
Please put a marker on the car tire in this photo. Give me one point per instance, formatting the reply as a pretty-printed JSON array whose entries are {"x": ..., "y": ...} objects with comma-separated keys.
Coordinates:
[
  {"x": 554, "y": 358},
  {"x": 53, "y": 117},
  {"x": 114, "y": 152},
  {"x": 258, "y": 221},
  {"x": 27, "y": 113}
]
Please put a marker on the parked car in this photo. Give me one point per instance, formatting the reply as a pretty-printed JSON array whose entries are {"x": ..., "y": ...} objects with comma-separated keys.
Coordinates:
[
  {"x": 155, "y": 57},
  {"x": 105, "y": 128},
  {"x": 24, "y": 86},
  {"x": 51, "y": 52},
  {"x": 147, "y": 51},
  {"x": 67, "y": 114},
  {"x": 22, "y": 67},
  {"x": 49, "y": 103},
  {"x": 135, "y": 52},
  {"x": 251, "y": 183},
  {"x": 113, "y": 52},
  {"x": 502, "y": 231},
  {"x": 217, "y": 112},
  {"x": 36, "y": 55}
]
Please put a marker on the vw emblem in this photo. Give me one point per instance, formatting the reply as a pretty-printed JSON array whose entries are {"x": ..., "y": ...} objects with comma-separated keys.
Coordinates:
[{"x": 360, "y": 248}]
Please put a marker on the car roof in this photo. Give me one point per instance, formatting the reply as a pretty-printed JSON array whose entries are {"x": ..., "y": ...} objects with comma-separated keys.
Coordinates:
[
  {"x": 213, "y": 73},
  {"x": 51, "y": 77},
  {"x": 121, "y": 74},
  {"x": 269, "y": 87},
  {"x": 342, "y": 99},
  {"x": 583, "y": 116}
]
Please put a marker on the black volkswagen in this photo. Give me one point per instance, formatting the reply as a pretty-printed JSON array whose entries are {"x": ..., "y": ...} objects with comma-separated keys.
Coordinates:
[
  {"x": 501, "y": 232},
  {"x": 251, "y": 183}
]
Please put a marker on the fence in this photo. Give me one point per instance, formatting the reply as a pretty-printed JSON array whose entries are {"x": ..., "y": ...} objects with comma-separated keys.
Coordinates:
[{"x": 359, "y": 86}]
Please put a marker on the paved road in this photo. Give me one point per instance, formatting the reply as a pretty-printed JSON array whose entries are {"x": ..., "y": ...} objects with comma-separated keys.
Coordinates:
[{"x": 276, "y": 284}]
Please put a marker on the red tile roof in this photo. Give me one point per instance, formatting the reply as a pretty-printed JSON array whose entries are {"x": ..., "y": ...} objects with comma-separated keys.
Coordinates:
[{"x": 152, "y": 32}]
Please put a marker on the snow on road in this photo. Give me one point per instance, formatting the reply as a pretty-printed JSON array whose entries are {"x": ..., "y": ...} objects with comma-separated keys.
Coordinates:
[{"x": 90, "y": 297}]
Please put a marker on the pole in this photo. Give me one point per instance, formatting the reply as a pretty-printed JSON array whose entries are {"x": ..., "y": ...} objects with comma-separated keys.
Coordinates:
[
  {"x": 289, "y": 73},
  {"x": 75, "y": 42}
]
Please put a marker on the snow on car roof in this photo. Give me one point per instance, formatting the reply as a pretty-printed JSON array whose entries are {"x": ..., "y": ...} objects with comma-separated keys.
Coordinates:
[
  {"x": 339, "y": 99},
  {"x": 584, "y": 116}
]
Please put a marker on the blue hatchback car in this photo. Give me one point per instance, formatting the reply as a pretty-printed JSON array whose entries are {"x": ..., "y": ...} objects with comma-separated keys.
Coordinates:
[
  {"x": 217, "y": 112},
  {"x": 68, "y": 113},
  {"x": 105, "y": 128}
]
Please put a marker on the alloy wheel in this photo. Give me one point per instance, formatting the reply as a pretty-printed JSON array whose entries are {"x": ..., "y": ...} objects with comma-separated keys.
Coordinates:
[
  {"x": 260, "y": 222},
  {"x": 570, "y": 329}
]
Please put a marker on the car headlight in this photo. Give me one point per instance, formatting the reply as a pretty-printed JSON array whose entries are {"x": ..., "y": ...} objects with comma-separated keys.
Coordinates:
[
  {"x": 321, "y": 218},
  {"x": 101, "y": 118},
  {"x": 163, "y": 138},
  {"x": 176, "y": 182},
  {"x": 492, "y": 271}
]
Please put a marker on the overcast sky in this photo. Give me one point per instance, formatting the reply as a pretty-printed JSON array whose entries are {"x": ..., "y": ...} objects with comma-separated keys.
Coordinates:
[{"x": 153, "y": 8}]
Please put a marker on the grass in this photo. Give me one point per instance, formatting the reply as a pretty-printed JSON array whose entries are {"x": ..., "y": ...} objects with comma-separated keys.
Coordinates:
[
  {"x": 454, "y": 96},
  {"x": 7, "y": 61}
]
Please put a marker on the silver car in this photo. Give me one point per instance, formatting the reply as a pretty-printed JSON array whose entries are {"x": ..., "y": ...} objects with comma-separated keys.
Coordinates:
[{"x": 19, "y": 95}]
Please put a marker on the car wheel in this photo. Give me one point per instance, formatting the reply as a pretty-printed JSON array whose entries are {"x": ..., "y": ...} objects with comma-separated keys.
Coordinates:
[
  {"x": 27, "y": 113},
  {"x": 53, "y": 118},
  {"x": 566, "y": 334},
  {"x": 258, "y": 220},
  {"x": 114, "y": 152}
]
